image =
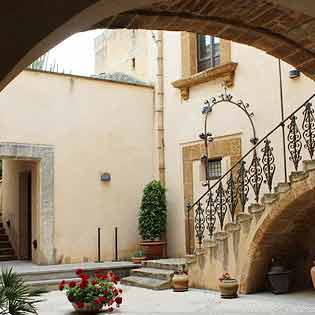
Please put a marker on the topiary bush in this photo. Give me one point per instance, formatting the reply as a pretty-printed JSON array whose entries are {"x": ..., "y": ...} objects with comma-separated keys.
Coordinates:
[{"x": 153, "y": 211}]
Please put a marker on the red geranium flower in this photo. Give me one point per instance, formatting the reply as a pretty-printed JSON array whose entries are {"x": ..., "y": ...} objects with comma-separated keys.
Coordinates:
[
  {"x": 83, "y": 284},
  {"x": 118, "y": 300},
  {"x": 61, "y": 287},
  {"x": 94, "y": 282},
  {"x": 72, "y": 284},
  {"x": 79, "y": 271}
]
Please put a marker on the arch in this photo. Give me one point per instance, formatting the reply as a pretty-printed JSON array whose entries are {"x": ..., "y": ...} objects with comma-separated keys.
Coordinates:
[
  {"x": 281, "y": 232},
  {"x": 281, "y": 28}
]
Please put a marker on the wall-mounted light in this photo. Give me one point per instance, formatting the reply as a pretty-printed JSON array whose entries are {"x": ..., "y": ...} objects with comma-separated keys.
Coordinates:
[
  {"x": 105, "y": 177},
  {"x": 294, "y": 73}
]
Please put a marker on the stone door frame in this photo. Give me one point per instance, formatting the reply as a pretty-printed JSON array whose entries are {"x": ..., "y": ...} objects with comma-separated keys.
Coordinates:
[
  {"x": 222, "y": 146},
  {"x": 44, "y": 154}
]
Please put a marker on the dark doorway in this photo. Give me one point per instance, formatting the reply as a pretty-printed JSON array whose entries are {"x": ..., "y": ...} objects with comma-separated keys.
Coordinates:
[{"x": 25, "y": 205}]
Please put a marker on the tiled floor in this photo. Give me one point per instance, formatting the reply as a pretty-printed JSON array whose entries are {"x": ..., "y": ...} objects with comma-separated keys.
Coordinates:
[{"x": 143, "y": 301}]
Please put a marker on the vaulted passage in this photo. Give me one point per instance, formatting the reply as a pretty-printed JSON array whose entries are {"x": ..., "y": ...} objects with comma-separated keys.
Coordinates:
[
  {"x": 288, "y": 237},
  {"x": 282, "y": 29}
]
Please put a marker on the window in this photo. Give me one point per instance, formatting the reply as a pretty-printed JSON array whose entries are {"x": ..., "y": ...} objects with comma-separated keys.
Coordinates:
[
  {"x": 214, "y": 169},
  {"x": 208, "y": 52}
]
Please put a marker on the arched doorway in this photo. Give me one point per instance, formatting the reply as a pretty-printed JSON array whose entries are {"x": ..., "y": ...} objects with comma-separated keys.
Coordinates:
[{"x": 287, "y": 235}]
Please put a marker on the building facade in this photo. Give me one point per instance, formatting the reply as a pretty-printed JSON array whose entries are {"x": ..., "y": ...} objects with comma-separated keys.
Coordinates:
[{"x": 187, "y": 69}]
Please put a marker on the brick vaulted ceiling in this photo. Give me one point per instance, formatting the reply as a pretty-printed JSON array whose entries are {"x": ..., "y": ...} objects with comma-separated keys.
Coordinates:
[{"x": 282, "y": 30}]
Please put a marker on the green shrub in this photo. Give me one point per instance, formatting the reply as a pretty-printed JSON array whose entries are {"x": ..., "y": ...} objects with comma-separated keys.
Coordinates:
[
  {"x": 153, "y": 211},
  {"x": 17, "y": 298}
]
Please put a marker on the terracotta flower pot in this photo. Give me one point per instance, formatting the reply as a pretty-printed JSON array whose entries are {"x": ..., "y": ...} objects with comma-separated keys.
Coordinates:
[
  {"x": 180, "y": 282},
  {"x": 153, "y": 249},
  {"x": 228, "y": 288},
  {"x": 313, "y": 275},
  {"x": 88, "y": 308},
  {"x": 138, "y": 260}
]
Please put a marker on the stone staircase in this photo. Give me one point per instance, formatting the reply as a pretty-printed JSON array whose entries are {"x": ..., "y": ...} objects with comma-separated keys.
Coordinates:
[
  {"x": 6, "y": 250},
  {"x": 155, "y": 274},
  {"x": 239, "y": 247}
]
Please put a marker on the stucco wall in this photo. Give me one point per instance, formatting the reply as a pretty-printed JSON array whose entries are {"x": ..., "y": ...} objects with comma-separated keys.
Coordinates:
[
  {"x": 96, "y": 127},
  {"x": 256, "y": 82}
]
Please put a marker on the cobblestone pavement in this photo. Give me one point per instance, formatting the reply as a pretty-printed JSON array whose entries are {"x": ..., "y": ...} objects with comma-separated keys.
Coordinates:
[{"x": 143, "y": 301}]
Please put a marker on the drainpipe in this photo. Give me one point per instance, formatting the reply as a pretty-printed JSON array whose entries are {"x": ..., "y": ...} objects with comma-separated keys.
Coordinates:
[{"x": 159, "y": 110}]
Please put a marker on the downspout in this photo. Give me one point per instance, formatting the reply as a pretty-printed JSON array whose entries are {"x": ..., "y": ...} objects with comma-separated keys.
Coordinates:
[{"x": 159, "y": 110}]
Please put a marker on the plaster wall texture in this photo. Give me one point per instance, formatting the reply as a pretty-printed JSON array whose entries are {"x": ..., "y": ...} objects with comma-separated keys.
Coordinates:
[
  {"x": 256, "y": 82},
  {"x": 128, "y": 51},
  {"x": 94, "y": 128}
]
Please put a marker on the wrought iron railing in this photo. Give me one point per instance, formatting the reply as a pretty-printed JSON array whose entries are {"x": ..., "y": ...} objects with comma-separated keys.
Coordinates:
[{"x": 231, "y": 192}]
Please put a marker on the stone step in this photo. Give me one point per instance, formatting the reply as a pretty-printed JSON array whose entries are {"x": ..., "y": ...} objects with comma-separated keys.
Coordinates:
[
  {"x": 48, "y": 285},
  {"x": 7, "y": 257},
  {"x": 148, "y": 283},
  {"x": 5, "y": 244},
  {"x": 162, "y": 274},
  {"x": 6, "y": 251},
  {"x": 167, "y": 264},
  {"x": 4, "y": 237}
]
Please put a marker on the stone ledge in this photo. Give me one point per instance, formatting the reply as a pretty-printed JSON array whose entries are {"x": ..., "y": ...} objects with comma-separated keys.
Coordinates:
[{"x": 225, "y": 71}]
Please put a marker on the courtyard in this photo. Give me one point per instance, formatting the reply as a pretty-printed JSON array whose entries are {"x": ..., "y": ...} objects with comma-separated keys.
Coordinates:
[{"x": 144, "y": 301}]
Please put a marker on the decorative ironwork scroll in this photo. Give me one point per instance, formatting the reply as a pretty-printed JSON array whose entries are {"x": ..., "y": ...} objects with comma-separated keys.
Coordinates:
[
  {"x": 309, "y": 129},
  {"x": 220, "y": 204},
  {"x": 242, "y": 185},
  {"x": 255, "y": 175},
  {"x": 231, "y": 196},
  {"x": 295, "y": 143},
  {"x": 200, "y": 223},
  {"x": 268, "y": 161},
  {"x": 210, "y": 215}
]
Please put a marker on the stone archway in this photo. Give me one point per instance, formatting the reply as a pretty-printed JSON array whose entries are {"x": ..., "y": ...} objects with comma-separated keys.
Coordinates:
[
  {"x": 44, "y": 154},
  {"x": 282, "y": 28},
  {"x": 287, "y": 233}
]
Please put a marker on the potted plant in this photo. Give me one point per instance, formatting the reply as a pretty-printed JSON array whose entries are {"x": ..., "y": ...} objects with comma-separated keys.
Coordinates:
[
  {"x": 228, "y": 286},
  {"x": 138, "y": 257},
  {"x": 152, "y": 219},
  {"x": 279, "y": 277},
  {"x": 92, "y": 294},
  {"x": 180, "y": 280}
]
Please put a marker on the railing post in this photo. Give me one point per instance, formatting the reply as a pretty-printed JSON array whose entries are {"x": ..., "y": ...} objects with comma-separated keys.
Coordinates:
[{"x": 283, "y": 125}]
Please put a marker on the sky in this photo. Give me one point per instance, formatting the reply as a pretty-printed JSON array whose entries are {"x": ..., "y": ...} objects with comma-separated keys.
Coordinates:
[{"x": 76, "y": 54}]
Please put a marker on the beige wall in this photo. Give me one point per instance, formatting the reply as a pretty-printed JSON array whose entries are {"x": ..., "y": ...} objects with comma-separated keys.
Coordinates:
[
  {"x": 95, "y": 128},
  {"x": 256, "y": 82},
  {"x": 115, "y": 49}
]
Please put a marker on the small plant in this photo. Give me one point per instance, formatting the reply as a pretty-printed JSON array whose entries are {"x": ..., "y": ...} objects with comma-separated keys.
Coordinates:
[
  {"x": 153, "y": 211},
  {"x": 225, "y": 276},
  {"x": 93, "y": 293},
  {"x": 17, "y": 298}
]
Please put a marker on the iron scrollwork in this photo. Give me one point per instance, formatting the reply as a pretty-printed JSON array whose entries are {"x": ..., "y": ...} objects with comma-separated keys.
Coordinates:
[
  {"x": 295, "y": 143},
  {"x": 200, "y": 223},
  {"x": 231, "y": 196},
  {"x": 210, "y": 215},
  {"x": 268, "y": 161},
  {"x": 242, "y": 185},
  {"x": 309, "y": 129},
  {"x": 255, "y": 175},
  {"x": 220, "y": 204}
]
